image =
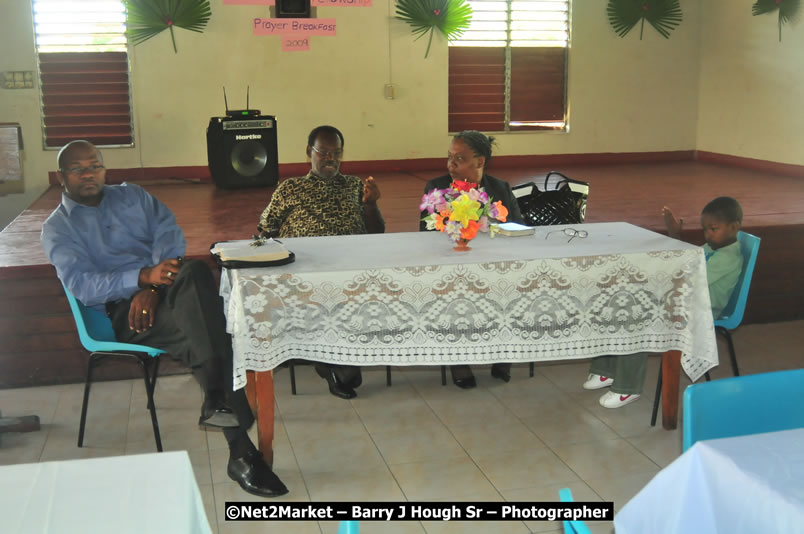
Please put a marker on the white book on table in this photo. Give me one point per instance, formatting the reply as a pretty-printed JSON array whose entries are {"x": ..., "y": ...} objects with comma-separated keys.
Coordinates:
[
  {"x": 243, "y": 250},
  {"x": 512, "y": 229}
]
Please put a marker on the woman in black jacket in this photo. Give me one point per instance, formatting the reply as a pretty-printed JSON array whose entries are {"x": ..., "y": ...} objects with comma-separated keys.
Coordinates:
[{"x": 469, "y": 153}]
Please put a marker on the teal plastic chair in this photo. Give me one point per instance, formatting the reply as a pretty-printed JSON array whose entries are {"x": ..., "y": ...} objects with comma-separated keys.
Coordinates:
[
  {"x": 743, "y": 405},
  {"x": 97, "y": 336},
  {"x": 571, "y": 527},
  {"x": 732, "y": 314},
  {"x": 348, "y": 527}
]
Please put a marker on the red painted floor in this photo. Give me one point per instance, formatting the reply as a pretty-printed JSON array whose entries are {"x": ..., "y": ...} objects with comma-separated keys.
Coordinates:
[{"x": 628, "y": 192}]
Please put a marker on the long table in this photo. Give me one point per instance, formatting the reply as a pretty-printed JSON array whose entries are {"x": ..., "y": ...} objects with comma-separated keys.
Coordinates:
[
  {"x": 751, "y": 483},
  {"x": 140, "y": 494},
  {"x": 409, "y": 299}
]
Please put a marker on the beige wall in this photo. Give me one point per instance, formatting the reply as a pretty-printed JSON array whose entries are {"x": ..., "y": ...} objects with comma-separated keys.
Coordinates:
[
  {"x": 626, "y": 95},
  {"x": 21, "y": 105},
  {"x": 751, "y": 84}
]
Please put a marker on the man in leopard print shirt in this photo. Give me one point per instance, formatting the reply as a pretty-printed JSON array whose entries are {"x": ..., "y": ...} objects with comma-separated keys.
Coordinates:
[{"x": 325, "y": 202}]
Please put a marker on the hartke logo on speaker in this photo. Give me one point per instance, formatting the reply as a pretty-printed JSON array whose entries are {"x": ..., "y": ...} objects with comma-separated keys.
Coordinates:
[{"x": 245, "y": 137}]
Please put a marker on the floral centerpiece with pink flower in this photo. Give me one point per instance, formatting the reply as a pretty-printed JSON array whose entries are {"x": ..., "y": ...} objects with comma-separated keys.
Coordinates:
[{"x": 461, "y": 211}]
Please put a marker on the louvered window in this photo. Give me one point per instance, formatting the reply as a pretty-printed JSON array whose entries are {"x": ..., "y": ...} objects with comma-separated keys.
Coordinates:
[
  {"x": 84, "y": 72},
  {"x": 508, "y": 71}
]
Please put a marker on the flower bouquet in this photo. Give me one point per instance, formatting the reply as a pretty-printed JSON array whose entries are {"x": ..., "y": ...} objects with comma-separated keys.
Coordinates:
[{"x": 461, "y": 211}]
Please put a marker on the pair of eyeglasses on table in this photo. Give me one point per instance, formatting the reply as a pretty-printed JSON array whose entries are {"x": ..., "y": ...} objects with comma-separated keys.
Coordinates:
[{"x": 571, "y": 232}]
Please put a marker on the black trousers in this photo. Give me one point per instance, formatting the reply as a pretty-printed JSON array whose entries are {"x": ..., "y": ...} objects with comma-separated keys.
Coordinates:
[
  {"x": 464, "y": 371},
  {"x": 191, "y": 327}
]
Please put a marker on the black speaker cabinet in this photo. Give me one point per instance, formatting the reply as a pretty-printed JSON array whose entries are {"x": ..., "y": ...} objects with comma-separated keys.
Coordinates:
[
  {"x": 293, "y": 9},
  {"x": 242, "y": 152}
]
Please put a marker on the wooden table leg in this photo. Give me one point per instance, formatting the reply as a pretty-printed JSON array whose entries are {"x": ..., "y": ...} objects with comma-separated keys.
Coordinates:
[
  {"x": 251, "y": 390},
  {"x": 671, "y": 372},
  {"x": 260, "y": 393}
]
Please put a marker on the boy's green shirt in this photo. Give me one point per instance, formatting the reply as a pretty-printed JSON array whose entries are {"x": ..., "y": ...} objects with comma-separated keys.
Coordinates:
[{"x": 723, "y": 267}]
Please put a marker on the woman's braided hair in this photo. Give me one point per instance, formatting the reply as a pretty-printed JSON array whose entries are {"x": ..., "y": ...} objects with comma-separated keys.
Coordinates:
[{"x": 479, "y": 142}]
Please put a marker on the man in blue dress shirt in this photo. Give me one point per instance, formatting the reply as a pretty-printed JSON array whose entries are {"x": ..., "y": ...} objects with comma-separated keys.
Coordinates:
[{"x": 119, "y": 250}]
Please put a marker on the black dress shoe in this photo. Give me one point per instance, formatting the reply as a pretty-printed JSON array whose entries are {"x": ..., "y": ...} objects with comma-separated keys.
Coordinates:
[
  {"x": 355, "y": 380},
  {"x": 462, "y": 376},
  {"x": 254, "y": 475},
  {"x": 501, "y": 371},
  {"x": 465, "y": 383},
  {"x": 338, "y": 388},
  {"x": 216, "y": 414}
]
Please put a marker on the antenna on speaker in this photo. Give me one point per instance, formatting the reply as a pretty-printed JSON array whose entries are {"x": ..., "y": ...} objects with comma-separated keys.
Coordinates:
[{"x": 240, "y": 113}]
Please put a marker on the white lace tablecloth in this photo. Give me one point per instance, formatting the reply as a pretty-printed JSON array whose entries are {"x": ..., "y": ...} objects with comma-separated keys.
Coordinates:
[{"x": 409, "y": 299}]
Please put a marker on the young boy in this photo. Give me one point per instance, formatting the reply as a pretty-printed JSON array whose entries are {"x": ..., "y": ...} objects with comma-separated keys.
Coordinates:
[{"x": 721, "y": 219}]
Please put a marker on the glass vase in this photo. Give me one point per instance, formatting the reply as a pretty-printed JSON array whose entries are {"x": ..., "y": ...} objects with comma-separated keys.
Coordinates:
[{"x": 462, "y": 245}]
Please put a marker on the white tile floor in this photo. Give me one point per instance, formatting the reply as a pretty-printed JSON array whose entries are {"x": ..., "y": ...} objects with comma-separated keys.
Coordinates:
[{"x": 416, "y": 440}]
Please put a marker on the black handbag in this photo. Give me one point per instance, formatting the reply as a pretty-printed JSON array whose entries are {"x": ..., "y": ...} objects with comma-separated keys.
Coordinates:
[{"x": 564, "y": 203}]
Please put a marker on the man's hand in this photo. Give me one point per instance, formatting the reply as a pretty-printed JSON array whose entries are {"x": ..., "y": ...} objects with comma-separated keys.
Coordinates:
[
  {"x": 673, "y": 225},
  {"x": 265, "y": 234},
  {"x": 162, "y": 274},
  {"x": 371, "y": 193},
  {"x": 142, "y": 312}
]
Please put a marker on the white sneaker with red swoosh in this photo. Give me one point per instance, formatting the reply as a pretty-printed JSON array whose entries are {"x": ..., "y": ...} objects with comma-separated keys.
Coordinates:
[
  {"x": 594, "y": 381},
  {"x": 611, "y": 399}
]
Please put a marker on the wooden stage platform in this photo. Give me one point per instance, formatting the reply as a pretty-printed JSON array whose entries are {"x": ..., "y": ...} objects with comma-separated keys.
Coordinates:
[{"x": 40, "y": 345}]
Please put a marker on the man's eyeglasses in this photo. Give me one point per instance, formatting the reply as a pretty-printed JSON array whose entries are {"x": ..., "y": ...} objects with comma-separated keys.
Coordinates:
[
  {"x": 78, "y": 171},
  {"x": 336, "y": 154},
  {"x": 571, "y": 232}
]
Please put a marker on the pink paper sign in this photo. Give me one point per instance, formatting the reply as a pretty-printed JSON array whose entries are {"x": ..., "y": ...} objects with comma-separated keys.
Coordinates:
[
  {"x": 295, "y": 43},
  {"x": 249, "y": 2},
  {"x": 345, "y": 3},
  {"x": 292, "y": 26}
]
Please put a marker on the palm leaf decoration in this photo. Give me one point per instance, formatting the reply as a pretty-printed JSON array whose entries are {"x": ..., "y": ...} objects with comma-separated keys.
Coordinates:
[
  {"x": 663, "y": 15},
  {"x": 450, "y": 17},
  {"x": 788, "y": 10},
  {"x": 147, "y": 18}
]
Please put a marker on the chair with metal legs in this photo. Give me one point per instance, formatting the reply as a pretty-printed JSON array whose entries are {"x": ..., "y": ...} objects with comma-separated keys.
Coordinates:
[
  {"x": 349, "y": 527},
  {"x": 732, "y": 314},
  {"x": 751, "y": 404},
  {"x": 97, "y": 336},
  {"x": 572, "y": 527}
]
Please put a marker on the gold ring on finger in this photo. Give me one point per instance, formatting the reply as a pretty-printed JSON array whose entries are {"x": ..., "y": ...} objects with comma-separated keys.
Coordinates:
[
  {"x": 170, "y": 274},
  {"x": 145, "y": 312}
]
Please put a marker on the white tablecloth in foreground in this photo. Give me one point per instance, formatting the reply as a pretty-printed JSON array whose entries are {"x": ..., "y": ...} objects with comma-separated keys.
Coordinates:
[
  {"x": 409, "y": 299},
  {"x": 749, "y": 484},
  {"x": 146, "y": 493}
]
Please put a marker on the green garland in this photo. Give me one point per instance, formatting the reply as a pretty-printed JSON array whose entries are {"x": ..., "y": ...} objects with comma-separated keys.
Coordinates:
[
  {"x": 663, "y": 15},
  {"x": 788, "y": 10},
  {"x": 450, "y": 17},
  {"x": 147, "y": 18}
]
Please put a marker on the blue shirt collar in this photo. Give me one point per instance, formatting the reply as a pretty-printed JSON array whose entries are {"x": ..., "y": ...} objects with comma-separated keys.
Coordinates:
[{"x": 70, "y": 204}]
